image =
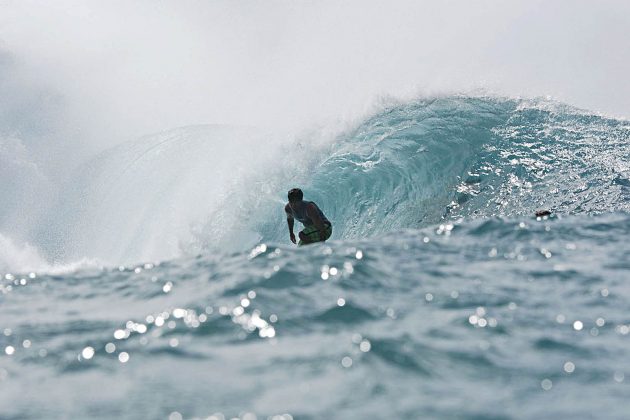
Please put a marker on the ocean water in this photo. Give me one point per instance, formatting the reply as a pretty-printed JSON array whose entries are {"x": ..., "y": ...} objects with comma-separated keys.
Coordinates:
[{"x": 162, "y": 284}]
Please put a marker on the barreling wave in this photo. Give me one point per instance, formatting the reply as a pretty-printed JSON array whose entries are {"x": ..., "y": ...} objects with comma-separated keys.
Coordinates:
[
  {"x": 421, "y": 162},
  {"x": 408, "y": 166}
]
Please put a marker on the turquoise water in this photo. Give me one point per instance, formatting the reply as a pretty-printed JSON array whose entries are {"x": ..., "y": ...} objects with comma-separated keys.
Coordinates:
[{"x": 440, "y": 294}]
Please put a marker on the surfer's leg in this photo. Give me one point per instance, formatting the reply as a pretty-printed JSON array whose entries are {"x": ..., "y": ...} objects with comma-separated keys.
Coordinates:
[
  {"x": 303, "y": 238},
  {"x": 327, "y": 232},
  {"x": 309, "y": 235}
]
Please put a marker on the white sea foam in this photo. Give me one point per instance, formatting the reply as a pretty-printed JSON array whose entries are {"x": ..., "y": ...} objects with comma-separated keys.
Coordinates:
[
  {"x": 19, "y": 257},
  {"x": 25, "y": 258}
]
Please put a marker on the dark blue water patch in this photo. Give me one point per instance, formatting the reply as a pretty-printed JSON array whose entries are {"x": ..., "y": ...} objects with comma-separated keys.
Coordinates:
[
  {"x": 552, "y": 344},
  {"x": 349, "y": 313},
  {"x": 174, "y": 352},
  {"x": 619, "y": 180},
  {"x": 408, "y": 357}
]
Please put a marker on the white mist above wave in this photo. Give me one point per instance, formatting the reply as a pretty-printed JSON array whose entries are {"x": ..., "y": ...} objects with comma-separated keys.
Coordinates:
[
  {"x": 186, "y": 190},
  {"x": 118, "y": 70}
]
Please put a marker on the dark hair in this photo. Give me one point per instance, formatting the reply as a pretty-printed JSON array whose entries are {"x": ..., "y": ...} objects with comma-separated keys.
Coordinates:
[{"x": 295, "y": 194}]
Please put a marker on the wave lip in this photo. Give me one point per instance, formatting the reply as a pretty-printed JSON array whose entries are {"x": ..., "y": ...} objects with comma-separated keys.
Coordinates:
[{"x": 429, "y": 160}]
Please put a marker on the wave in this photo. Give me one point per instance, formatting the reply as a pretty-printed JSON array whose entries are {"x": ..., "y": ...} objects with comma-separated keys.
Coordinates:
[
  {"x": 429, "y": 160},
  {"x": 410, "y": 165}
]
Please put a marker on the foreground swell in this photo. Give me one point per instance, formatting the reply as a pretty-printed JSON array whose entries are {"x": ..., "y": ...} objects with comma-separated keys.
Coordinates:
[{"x": 494, "y": 318}]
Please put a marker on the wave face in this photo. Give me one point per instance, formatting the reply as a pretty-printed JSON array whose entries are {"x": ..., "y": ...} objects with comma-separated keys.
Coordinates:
[
  {"x": 426, "y": 161},
  {"x": 409, "y": 166}
]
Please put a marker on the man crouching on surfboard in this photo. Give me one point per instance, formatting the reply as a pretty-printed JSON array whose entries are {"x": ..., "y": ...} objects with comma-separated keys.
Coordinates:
[{"x": 317, "y": 228}]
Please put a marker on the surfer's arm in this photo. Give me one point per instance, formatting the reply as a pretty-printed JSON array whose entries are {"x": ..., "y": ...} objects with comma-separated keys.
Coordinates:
[{"x": 290, "y": 222}]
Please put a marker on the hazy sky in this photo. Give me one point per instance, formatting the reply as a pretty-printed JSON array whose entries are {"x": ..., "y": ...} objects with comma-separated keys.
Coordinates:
[{"x": 80, "y": 76}]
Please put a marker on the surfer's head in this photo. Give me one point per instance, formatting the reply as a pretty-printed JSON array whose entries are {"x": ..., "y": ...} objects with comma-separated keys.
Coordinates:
[{"x": 295, "y": 195}]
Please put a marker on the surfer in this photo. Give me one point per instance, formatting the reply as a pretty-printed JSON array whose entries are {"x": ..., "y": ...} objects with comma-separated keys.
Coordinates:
[{"x": 317, "y": 228}]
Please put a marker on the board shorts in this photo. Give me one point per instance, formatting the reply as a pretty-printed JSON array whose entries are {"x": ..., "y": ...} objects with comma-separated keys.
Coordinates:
[{"x": 313, "y": 234}]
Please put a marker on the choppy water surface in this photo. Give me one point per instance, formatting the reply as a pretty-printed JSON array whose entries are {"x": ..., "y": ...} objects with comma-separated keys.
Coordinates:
[
  {"x": 494, "y": 318},
  {"x": 440, "y": 295}
]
